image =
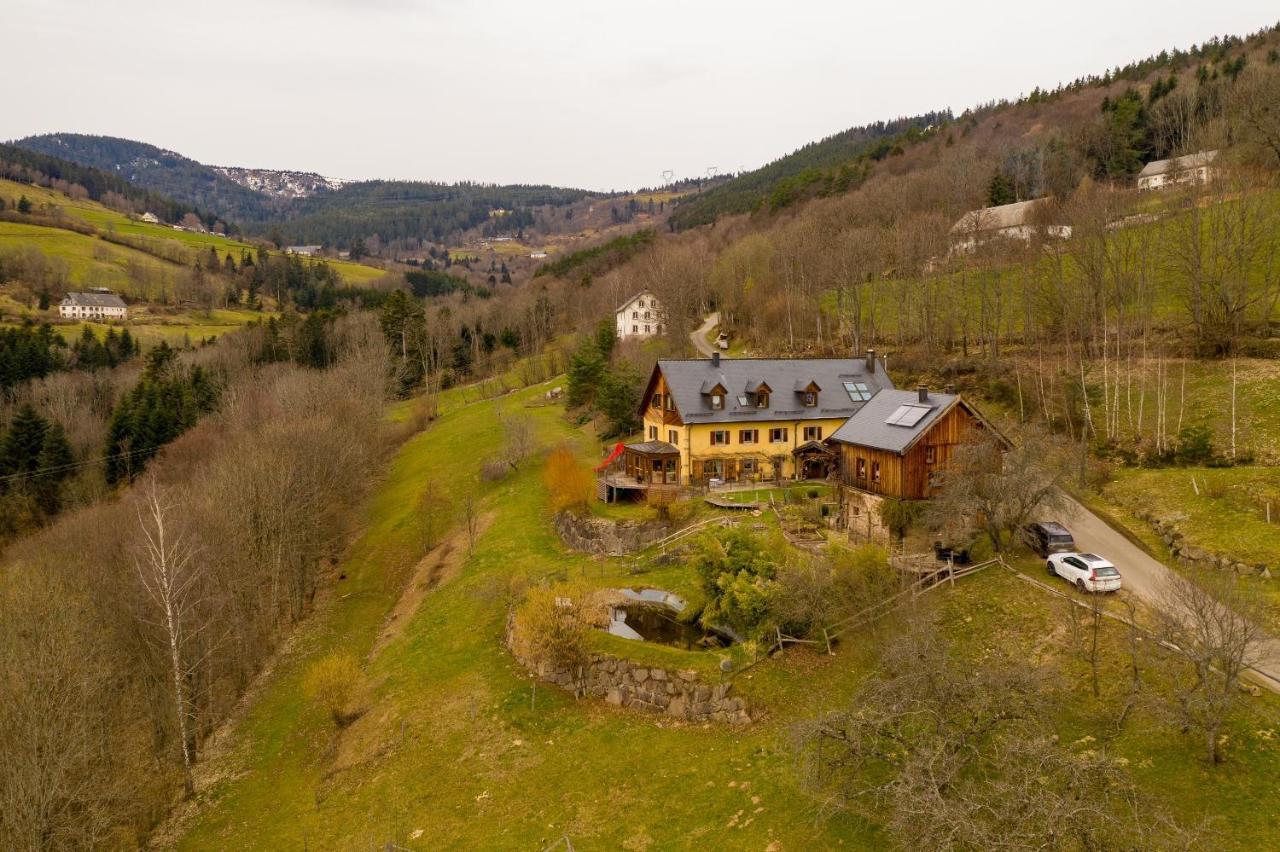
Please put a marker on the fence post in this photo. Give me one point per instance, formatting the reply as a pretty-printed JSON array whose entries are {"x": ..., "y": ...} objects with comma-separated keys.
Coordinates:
[{"x": 827, "y": 636}]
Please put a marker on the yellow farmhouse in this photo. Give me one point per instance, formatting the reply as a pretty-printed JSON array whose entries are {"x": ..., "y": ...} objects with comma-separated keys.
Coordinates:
[{"x": 748, "y": 419}]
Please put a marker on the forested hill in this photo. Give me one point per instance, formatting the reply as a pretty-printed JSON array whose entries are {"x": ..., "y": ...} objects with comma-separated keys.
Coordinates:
[
  {"x": 834, "y": 164},
  {"x": 331, "y": 217},
  {"x": 28, "y": 166},
  {"x": 402, "y": 209},
  {"x": 159, "y": 170}
]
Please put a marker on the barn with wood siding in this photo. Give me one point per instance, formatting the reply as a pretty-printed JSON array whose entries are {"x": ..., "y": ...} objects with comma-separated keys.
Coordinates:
[
  {"x": 896, "y": 448},
  {"x": 898, "y": 443}
]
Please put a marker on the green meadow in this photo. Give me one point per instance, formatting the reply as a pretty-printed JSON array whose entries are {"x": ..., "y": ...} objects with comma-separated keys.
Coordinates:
[{"x": 456, "y": 748}]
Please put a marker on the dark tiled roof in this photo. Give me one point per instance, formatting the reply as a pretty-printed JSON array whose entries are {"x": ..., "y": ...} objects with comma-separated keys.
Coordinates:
[
  {"x": 94, "y": 300},
  {"x": 868, "y": 428},
  {"x": 689, "y": 381}
]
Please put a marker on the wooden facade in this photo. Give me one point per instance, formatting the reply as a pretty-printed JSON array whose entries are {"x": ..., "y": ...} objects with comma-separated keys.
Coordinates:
[{"x": 912, "y": 475}]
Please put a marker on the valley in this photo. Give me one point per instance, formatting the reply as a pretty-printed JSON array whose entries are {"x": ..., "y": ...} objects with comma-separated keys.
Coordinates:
[{"x": 917, "y": 489}]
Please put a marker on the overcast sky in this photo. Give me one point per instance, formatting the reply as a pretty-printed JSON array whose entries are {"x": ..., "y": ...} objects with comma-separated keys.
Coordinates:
[{"x": 587, "y": 93}]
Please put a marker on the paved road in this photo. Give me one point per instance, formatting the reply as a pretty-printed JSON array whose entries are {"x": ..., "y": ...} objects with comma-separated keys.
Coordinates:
[
  {"x": 1146, "y": 576},
  {"x": 699, "y": 337}
]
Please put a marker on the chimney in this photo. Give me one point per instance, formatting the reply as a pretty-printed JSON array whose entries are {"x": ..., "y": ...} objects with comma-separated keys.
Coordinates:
[
  {"x": 871, "y": 360},
  {"x": 715, "y": 359},
  {"x": 923, "y": 392}
]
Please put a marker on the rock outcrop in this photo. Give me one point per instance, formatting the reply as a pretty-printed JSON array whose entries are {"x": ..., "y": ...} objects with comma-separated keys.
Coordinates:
[
  {"x": 601, "y": 536},
  {"x": 1166, "y": 526}
]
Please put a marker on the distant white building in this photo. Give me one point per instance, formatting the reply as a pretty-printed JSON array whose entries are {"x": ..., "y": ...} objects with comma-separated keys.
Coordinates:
[
  {"x": 150, "y": 218},
  {"x": 640, "y": 316},
  {"x": 1018, "y": 221},
  {"x": 306, "y": 251},
  {"x": 1193, "y": 168},
  {"x": 97, "y": 305},
  {"x": 538, "y": 255}
]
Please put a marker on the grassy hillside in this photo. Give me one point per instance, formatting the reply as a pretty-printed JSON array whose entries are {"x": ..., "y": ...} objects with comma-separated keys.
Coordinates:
[
  {"x": 159, "y": 241},
  {"x": 87, "y": 261},
  {"x": 455, "y": 750}
]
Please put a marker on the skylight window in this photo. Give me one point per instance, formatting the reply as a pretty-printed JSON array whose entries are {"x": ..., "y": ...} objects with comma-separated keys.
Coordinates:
[
  {"x": 858, "y": 391},
  {"x": 908, "y": 415},
  {"x": 744, "y": 402}
]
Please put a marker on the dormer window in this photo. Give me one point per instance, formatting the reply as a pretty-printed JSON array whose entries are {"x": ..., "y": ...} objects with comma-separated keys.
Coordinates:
[
  {"x": 808, "y": 393},
  {"x": 762, "y": 400},
  {"x": 717, "y": 401}
]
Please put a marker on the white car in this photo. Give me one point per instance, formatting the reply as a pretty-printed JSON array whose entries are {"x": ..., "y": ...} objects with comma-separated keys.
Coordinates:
[{"x": 1088, "y": 571}]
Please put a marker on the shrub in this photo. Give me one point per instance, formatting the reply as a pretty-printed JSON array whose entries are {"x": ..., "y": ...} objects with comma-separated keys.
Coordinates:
[
  {"x": 737, "y": 575},
  {"x": 570, "y": 484},
  {"x": 330, "y": 682},
  {"x": 493, "y": 469},
  {"x": 899, "y": 515},
  {"x": 1195, "y": 445},
  {"x": 550, "y": 625}
]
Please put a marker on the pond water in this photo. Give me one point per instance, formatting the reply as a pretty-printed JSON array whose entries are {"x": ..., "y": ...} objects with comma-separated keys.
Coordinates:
[{"x": 651, "y": 615}]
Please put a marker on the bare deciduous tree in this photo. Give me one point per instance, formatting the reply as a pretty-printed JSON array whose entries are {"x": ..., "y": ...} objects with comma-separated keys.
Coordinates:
[
  {"x": 171, "y": 575},
  {"x": 957, "y": 756},
  {"x": 1213, "y": 624},
  {"x": 996, "y": 489}
]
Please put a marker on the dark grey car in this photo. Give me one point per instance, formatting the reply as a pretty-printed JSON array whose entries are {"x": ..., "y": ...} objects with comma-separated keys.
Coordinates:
[{"x": 1045, "y": 537}]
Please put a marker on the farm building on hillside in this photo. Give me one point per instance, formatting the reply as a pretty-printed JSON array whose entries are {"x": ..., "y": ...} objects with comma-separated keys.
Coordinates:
[
  {"x": 1018, "y": 221},
  {"x": 640, "y": 316},
  {"x": 305, "y": 251},
  {"x": 1193, "y": 168},
  {"x": 895, "y": 447},
  {"x": 751, "y": 419},
  {"x": 150, "y": 218},
  {"x": 97, "y": 305}
]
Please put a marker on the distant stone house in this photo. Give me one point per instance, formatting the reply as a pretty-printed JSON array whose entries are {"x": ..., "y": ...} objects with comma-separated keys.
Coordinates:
[
  {"x": 1192, "y": 168},
  {"x": 97, "y": 305},
  {"x": 640, "y": 316},
  {"x": 1021, "y": 220},
  {"x": 305, "y": 251},
  {"x": 150, "y": 218}
]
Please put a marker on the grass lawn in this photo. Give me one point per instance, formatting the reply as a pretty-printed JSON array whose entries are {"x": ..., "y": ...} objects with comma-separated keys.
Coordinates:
[
  {"x": 86, "y": 260},
  {"x": 456, "y": 750},
  {"x": 1227, "y": 517},
  {"x": 175, "y": 329}
]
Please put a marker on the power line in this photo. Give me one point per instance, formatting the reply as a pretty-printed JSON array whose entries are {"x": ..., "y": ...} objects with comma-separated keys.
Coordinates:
[{"x": 75, "y": 465}]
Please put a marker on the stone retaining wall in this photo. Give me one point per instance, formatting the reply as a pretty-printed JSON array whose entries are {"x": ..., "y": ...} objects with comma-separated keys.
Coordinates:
[
  {"x": 1196, "y": 557},
  {"x": 623, "y": 683},
  {"x": 604, "y": 537}
]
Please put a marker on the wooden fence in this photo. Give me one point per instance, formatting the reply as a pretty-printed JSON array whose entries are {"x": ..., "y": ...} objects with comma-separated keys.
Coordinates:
[{"x": 830, "y": 634}]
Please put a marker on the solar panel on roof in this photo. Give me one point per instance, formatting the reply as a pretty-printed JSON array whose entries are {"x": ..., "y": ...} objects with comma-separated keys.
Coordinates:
[{"x": 908, "y": 415}]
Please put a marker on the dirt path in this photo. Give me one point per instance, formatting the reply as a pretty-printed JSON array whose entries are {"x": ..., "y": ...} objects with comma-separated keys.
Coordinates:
[
  {"x": 699, "y": 336},
  {"x": 1145, "y": 576},
  {"x": 441, "y": 564}
]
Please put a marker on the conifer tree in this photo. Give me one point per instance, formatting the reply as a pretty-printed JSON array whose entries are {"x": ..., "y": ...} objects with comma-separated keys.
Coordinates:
[
  {"x": 53, "y": 466},
  {"x": 20, "y": 451}
]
